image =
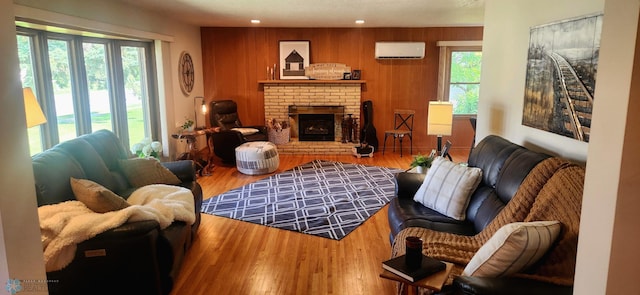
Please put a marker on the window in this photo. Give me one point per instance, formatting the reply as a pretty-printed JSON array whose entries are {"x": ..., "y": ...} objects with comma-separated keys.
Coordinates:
[
  {"x": 60, "y": 65},
  {"x": 136, "y": 93},
  {"x": 25, "y": 54},
  {"x": 95, "y": 61},
  {"x": 86, "y": 84},
  {"x": 459, "y": 77}
]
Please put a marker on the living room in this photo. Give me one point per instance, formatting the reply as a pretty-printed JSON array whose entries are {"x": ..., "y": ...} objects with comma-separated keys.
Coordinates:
[{"x": 607, "y": 260}]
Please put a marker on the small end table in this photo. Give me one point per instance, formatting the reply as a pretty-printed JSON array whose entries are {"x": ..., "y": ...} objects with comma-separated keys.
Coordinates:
[
  {"x": 432, "y": 282},
  {"x": 203, "y": 167}
]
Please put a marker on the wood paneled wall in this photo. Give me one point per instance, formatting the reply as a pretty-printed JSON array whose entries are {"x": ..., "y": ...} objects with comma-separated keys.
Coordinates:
[{"x": 235, "y": 59}]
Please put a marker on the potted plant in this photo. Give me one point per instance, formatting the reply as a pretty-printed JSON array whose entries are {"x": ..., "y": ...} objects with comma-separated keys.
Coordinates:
[
  {"x": 187, "y": 125},
  {"x": 421, "y": 162}
]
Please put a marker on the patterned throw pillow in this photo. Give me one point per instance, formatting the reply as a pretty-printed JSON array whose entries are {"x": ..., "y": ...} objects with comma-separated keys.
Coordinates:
[
  {"x": 141, "y": 172},
  {"x": 96, "y": 197},
  {"x": 513, "y": 248},
  {"x": 447, "y": 187}
]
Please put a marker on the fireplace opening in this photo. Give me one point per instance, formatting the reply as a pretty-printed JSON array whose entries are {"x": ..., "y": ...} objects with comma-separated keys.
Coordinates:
[{"x": 316, "y": 127}]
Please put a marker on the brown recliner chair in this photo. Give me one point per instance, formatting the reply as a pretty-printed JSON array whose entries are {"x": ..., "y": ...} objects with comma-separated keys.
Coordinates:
[{"x": 224, "y": 114}]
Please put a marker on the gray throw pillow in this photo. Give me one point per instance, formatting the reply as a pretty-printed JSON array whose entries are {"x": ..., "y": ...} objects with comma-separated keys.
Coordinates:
[
  {"x": 141, "y": 172},
  {"x": 96, "y": 197}
]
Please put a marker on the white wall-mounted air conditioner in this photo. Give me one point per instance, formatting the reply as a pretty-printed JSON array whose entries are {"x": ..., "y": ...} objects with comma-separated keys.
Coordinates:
[{"x": 406, "y": 50}]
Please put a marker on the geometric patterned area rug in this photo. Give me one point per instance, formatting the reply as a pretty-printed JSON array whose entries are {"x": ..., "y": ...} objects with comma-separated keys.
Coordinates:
[{"x": 323, "y": 198}]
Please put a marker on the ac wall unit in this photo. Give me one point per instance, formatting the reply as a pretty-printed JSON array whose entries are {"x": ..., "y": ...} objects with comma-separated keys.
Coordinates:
[{"x": 405, "y": 50}]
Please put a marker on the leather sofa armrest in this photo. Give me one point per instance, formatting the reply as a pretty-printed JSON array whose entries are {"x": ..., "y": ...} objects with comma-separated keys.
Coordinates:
[
  {"x": 129, "y": 229},
  {"x": 185, "y": 169},
  {"x": 505, "y": 286},
  {"x": 407, "y": 184}
]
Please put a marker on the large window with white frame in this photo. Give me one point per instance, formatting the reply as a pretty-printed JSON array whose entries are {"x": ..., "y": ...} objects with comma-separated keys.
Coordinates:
[
  {"x": 459, "y": 75},
  {"x": 86, "y": 84}
]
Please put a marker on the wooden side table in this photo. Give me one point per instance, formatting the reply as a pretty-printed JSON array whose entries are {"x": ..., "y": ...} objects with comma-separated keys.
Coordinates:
[
  {"x": 208, "y": 169},
  {"x": 432, "y": 282},
  {"x": 203, "y": 166}
]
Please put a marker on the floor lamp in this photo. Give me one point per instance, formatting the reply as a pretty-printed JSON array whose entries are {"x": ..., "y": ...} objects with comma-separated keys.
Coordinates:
[
  {"x": 32, "y": 109},
  {"x": 440, "y": 120},
  {"x": 203, "y": 109}
]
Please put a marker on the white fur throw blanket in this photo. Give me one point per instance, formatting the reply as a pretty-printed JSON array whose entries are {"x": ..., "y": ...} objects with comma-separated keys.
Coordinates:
[{"x": 64, "y": 225}]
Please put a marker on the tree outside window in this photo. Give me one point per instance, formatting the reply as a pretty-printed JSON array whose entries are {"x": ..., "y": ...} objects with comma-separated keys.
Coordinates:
[
  {"x": 464, "y": 82},
  {"x": 459, "y": 76}
]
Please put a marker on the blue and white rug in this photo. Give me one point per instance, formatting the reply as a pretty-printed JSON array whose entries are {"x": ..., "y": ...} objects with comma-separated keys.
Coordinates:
[{"x": 323, "y": 198}]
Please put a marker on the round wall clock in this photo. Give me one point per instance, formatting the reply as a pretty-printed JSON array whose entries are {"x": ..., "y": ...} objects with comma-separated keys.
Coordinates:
[{"x": 186, "y": 73}]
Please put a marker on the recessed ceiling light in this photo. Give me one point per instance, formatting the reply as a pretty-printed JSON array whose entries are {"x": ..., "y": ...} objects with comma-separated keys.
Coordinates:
[
  {"x": 359, "y": 21},
  {"x": 255, "y": 21}
]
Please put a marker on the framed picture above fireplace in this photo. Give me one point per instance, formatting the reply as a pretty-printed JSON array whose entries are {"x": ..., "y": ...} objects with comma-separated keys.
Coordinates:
[{"x": 294, "y": 58}]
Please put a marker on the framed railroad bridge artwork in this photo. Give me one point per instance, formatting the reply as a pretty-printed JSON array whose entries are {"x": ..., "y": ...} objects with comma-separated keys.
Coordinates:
[{"x": 561, "y": 73}]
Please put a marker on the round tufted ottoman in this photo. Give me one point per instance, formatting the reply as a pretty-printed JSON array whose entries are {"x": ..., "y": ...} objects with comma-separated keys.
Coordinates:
[{"x": 257, "y": 157}]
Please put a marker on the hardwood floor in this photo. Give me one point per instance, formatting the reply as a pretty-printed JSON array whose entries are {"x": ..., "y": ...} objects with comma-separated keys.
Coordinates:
[{"x": 235, "y": 257}]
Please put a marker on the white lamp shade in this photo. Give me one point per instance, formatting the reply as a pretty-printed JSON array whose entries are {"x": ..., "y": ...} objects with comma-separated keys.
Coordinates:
[
  {"x": 32, "y": 109},
  {"x": 440, "y": 118}
]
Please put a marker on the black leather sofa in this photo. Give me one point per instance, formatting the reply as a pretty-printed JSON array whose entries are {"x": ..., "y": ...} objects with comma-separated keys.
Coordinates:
[
  {"x": 137, "y": 257},
  {"x": 505, "y": 165}
]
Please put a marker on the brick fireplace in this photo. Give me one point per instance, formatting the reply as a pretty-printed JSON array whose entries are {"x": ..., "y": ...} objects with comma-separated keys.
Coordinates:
[{"x": 279, "y": 95}]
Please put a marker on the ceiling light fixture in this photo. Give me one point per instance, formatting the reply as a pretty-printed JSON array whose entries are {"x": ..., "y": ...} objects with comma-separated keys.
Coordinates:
[
  {"x": 255, "y": 21},
  {"x": 359, "y": 21}
]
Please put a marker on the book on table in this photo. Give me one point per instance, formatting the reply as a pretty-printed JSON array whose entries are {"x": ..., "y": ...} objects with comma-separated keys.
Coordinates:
[{"x": 398, "y": 267}]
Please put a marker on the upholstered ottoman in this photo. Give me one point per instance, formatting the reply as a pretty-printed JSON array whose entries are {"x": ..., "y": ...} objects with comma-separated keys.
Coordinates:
[{"x": 257, "y": 157}]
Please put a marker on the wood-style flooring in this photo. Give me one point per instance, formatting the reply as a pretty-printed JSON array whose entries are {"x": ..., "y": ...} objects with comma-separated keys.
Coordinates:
[{"x": 235, "y": 257}]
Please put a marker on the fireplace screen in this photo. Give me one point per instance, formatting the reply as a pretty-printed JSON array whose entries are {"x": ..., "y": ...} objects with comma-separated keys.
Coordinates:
[{"x": 316, "y": 127}]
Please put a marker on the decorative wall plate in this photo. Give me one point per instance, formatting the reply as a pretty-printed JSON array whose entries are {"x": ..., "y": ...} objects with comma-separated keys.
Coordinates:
[{"x": 186, "y": 73}]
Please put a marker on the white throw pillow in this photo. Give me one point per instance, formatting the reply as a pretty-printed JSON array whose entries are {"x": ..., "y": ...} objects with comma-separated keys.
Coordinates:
[
  {"x": 246, "y": 131},
  {"x": 513, "y": 248},
  {"x": 447, "y": 187}
]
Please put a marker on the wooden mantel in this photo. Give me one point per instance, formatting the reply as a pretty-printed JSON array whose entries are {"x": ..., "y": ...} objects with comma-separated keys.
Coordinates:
[{"x": 311, "y": 82}]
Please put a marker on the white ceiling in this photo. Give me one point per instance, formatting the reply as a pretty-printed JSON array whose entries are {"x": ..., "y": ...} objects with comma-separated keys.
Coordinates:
[{"x": 320, "y": 13}]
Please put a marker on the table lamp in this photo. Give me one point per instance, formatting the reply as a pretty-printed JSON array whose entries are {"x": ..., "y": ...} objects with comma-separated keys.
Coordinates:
[
  {"x": 32, "y": 109},
  {"x": 439, "y": 120}
]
